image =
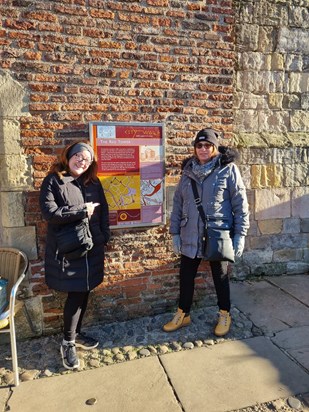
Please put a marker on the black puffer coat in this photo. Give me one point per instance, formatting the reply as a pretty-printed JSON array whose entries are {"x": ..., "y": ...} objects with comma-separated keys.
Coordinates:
[{"x": 63, "y": 201}]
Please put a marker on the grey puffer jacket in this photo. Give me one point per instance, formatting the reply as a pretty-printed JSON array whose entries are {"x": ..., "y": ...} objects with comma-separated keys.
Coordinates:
[
  {"x": 223, "y": 197},
  {"x": 63, "y": 201}
]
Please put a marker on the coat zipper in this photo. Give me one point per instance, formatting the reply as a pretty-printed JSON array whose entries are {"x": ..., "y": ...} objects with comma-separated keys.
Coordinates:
[
  {"x": 81, "y": 188},
  {"x": 200, "y": 239},
  {"x": 87, "y": 270}
]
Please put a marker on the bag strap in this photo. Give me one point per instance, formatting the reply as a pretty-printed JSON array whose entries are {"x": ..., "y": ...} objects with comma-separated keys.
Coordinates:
[
  {"x": 198, "y": 202},
  {"x": 82, "y": 189}
]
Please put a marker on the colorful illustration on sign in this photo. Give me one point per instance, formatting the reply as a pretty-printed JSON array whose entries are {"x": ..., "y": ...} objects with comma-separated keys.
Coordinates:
[{"x": 152, "y": 192}]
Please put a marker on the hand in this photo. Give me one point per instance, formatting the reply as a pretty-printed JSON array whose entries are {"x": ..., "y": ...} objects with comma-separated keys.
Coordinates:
[
  {"x": 176, "y": 244},
  {"x": 90, "y": 208},
  {"x": 238, "y": 244}
]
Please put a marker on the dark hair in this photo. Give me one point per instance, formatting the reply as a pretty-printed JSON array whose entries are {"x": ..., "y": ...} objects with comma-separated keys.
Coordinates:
[{"x": 61, "y": 166}]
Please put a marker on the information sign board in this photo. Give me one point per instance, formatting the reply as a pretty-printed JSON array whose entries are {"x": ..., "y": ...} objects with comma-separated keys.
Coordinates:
[{"x": 131, "y": 170}]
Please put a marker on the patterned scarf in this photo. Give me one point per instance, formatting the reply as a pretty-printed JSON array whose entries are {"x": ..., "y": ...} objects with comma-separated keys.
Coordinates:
[{"x": 202, "y": 171}]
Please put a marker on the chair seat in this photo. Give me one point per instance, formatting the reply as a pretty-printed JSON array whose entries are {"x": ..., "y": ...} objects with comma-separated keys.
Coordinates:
[
  {"x": 4, "y": 323},
  {"x": 6, "y": 314},
  {"x": 13, "y": 267}
]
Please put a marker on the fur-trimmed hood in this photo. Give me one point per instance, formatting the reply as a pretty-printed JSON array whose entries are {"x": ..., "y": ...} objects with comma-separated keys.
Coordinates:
[{"x": 227, "y": 155}]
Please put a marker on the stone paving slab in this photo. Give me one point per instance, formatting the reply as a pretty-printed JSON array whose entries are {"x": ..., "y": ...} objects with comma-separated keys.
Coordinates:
[
  {"x": 136, "y": 386},
  {"x": 295, "y": 342},
  {"x": 233, "y": 375},
  {"x": 4, "y": 396},
  {"x": 266, "y": 306},
  {"x": 296, "y": 285}
]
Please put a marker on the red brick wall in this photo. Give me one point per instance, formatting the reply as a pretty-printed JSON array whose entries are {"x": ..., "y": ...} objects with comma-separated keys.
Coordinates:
[{"x": 134, "y": 61}]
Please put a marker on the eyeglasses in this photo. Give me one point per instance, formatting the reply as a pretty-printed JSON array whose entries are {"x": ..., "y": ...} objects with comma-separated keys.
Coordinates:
[
  {"x": 79, "y": 157},
  {"x": 205, "y": 145}
]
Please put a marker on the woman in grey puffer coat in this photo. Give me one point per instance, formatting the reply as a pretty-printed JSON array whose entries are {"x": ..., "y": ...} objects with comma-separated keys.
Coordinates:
[{"x": 223, "y": 197}]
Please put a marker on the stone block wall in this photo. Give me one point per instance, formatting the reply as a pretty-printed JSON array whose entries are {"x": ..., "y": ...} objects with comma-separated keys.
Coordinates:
[
  {"x": 187, "y": 64},
  {"x": 272, "y": 132}
]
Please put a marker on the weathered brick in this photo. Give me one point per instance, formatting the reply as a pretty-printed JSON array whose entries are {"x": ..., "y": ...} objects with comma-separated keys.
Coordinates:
[
  {"x": 44, "y": 107},
  {"x": 140, "y": 19},
  {"x": 19, "y": 25},
  {"x": 71, "y": 10},
  {"x": 39, "y": 15},
  {"x": 32, "y": 56},
  {"x": 102, "y": 14}
]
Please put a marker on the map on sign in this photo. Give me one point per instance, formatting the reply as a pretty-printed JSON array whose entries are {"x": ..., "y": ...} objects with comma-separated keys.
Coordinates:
[
  {"x": 131, "y": 169},
  {"x": 152, "y": 192},
  {"x": 122, "y": 192}
]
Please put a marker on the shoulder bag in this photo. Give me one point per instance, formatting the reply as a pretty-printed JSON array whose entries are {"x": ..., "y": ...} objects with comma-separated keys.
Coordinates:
[
  {"x": 217, "y": 243},
  {"x": 74, "y": 240}
]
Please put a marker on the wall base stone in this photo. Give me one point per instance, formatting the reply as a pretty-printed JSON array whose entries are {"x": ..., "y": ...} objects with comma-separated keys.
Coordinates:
[
  {"x": 11, "y": 203},
  {"x": 33, "y": 309},
  {"x": 295, "y": 268},
  {"x": 23, "y": 238},
  {"x": 270, "y": 269}
]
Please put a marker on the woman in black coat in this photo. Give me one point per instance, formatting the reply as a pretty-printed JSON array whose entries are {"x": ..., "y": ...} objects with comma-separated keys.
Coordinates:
[{"x": 72, "y": 193}]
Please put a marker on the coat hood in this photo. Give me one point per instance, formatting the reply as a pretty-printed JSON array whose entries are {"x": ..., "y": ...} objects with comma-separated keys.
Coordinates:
[{"x": 227, "y": 155}]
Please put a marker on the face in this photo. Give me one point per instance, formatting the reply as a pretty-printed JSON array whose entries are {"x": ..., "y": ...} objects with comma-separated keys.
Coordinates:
[
  {"x": 204, "y": 151},
  {"x": 79, "y": 163}
]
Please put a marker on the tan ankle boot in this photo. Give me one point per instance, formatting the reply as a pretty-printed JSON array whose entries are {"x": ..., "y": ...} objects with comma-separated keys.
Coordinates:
[
  {"x": 178, "y": 321},
  {"x": 224, "y": 323}
]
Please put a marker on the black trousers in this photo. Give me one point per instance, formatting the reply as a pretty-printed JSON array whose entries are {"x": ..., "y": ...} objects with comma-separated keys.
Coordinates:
[
  {"x": 188, "y": 271},
  {"x": 73, "y": 313}
]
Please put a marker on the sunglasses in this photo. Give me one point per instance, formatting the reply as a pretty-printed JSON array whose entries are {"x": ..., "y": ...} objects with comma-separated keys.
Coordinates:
[{"x": 206, "y": 145}]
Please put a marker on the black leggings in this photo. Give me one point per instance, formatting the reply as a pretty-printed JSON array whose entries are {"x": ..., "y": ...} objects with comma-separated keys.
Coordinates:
[
  {"x": 188, "y": 271},
  {"x": 73, "y": 313}
]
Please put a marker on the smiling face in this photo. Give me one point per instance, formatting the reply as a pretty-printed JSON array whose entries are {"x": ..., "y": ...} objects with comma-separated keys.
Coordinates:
[
  {"x": 204, "y": 151},
  {"x": 79, "y": 163}
]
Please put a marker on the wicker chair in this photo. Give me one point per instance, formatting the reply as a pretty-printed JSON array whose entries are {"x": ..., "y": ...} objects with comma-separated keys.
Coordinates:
[{"x": 13, "y": 267}]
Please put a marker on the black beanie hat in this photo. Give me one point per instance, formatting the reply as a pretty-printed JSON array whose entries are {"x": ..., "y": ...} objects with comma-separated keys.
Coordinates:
[
  {"x": 207, "y": 135},
  {"x": 79, "y": 147}
]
